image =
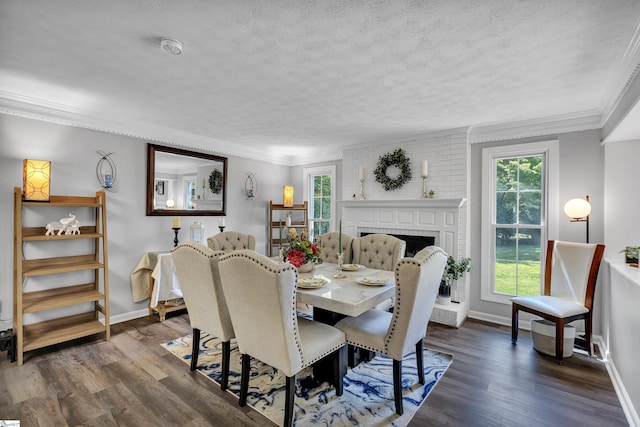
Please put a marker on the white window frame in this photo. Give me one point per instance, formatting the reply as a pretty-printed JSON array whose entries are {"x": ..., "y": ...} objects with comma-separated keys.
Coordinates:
[
  {"x": 308, "y": 191},
  {"x": 550, "y": 151}
]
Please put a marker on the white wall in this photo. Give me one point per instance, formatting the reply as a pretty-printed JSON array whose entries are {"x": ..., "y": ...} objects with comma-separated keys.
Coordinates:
[
  {"x": 581, "y": 173},
  {"x": 131, "y": 233}
]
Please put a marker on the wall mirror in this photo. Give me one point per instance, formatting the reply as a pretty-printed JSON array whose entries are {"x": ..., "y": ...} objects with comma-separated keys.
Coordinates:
[{"x": 182, "y": 182}]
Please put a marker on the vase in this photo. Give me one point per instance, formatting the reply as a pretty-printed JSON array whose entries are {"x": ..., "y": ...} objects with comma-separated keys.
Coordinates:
[
  {"x": 444, "y": 292},
  {"x": 307, "y": 267}
]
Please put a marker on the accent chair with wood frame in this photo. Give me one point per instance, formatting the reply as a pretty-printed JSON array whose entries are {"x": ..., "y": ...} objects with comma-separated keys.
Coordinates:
[{"x": 571, "y": 272}]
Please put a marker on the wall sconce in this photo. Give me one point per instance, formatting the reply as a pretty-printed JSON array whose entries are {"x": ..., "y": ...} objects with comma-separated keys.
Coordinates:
[
  {"x": 287, "y": 196},
  {"x": 36, "y": 180},
  {"x": 578, "y": 210},
  {"x": 251, "y": 185}
]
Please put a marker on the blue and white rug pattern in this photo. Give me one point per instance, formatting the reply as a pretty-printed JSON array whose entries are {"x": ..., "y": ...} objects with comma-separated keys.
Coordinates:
[{"x": 367, "y": 399}]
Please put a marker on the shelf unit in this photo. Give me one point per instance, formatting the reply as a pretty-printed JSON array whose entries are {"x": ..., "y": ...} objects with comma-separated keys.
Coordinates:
[
  {"x": 277, "y": 217},
  {"x": 49, "y": 332}
]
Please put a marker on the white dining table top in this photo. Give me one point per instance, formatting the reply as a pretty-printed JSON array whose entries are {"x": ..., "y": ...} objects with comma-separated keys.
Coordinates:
[{"x": 342, "y": 294}]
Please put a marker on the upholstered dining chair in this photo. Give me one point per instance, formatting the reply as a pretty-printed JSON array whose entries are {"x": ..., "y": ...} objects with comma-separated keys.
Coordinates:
[
  {"x": 197, "y": 269},
  {"x": 261, "y": 295},
  {"x": 570, "y": 275},
  {"x": 396, "y": 334},
  {"x": 380, "y": 251},
  {"x": 228, "y": 241},
  {"x": 330, "y": 244}
]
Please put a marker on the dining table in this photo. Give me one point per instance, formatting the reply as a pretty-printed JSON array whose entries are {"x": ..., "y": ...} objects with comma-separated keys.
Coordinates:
[{"x": 335, "y": 292}]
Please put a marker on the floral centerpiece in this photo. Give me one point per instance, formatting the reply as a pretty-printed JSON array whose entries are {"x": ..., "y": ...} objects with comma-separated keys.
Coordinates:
[{"x": 301, "y": 250}]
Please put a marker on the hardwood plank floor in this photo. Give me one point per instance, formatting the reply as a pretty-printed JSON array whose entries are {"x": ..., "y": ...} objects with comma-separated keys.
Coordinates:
[{"x": 132, "y": 381}]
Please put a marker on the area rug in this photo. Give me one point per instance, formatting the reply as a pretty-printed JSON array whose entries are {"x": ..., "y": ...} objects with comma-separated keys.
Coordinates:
[{"x": 367, "y": 399}]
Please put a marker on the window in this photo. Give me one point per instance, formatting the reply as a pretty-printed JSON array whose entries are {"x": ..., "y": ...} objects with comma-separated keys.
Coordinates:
[
  {"x": 320, "y": 190},
  {"x": 520, "y": 190}
]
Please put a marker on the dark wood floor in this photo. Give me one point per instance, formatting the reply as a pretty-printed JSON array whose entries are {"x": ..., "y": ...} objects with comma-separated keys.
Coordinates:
[{"x": 132, "y": 381}]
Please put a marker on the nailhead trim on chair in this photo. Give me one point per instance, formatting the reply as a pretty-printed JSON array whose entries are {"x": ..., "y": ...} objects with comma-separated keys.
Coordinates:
[
  {"x": 200, "y": 249},
  {"x": 281, "y": 268},
  {"x": 394, "y": 320}
]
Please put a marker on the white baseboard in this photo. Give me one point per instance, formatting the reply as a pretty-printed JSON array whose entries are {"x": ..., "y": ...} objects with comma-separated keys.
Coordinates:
[{"x": 129, "y": 316}]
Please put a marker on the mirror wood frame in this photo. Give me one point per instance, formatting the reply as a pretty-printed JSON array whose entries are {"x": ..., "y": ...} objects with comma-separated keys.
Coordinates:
[{"x": 152, "y": 149}]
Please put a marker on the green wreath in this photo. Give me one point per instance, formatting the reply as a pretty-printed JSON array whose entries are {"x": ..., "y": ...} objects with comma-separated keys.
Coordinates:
[
  {"x": 215, "y": 181},
  {"x": 399, "y": 160}
]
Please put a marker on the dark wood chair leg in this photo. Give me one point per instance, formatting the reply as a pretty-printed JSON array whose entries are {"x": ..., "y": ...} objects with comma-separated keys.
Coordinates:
[
  {"x": 514, "y": 323},
  {"x": 587, "y": 334},
  {"x": 290, "y": 393},
  {"x": 352, "y": 356},
  {"x": 397, "y": 385},
  {"x": 339, "y": 362},
  {"x": 195, "y": 347},
  {"x": 244, "y": 379},
  {"x": 420, "y": 360},
  {"x": 559, "y": 339},
  {"x": 226, "y": 358}
]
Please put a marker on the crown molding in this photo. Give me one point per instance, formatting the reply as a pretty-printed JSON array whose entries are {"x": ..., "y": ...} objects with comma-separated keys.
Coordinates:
[
  {"x": 573, "y": 122},
  {"x": 622, "y": 78},
  {"x": 39, "y": 109}
]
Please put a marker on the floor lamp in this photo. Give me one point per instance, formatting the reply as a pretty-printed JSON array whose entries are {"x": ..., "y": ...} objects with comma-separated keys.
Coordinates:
[{"x": 578, "y": 210}]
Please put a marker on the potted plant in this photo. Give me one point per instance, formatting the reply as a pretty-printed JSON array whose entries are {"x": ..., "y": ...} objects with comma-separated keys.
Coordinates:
[
  {"x": 631, "y": 254},
  {"x": 454, "y": 270}
]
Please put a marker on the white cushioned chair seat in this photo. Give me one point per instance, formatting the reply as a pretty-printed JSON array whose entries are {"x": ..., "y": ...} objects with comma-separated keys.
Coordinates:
[
  {"x": 551, "y": 305},
  {"x": 318, "y": 340},
  {"x": 368, "y": 330}
]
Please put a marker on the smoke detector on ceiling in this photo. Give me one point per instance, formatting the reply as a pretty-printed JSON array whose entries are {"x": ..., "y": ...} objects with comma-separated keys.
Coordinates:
[{"x": 172, "y": 46}]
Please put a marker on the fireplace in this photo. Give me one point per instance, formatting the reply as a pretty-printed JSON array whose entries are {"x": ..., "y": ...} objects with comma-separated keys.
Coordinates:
[
  {"x": 414, "y": 243},
  {"x": 420, "y": 223}
]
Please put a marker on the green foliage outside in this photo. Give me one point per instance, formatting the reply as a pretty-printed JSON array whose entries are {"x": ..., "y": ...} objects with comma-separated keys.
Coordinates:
[
  {"x": 321, "y": 204},
  {"x": 519, "y": 192}
]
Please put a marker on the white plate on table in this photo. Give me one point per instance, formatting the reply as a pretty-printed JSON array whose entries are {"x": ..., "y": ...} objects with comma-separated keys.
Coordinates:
[
  {"x": 312, "y": 282},
  {"x": 353, "y": 267},
  {"x": 372, "y": 281}
]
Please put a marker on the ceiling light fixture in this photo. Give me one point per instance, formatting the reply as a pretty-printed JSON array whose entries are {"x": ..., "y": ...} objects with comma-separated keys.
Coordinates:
[{"x": 172, "y": 46}]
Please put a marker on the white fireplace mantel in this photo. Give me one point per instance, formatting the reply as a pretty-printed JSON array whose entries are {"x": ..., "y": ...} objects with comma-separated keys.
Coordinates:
[
  {"x": 410, "y": 203},
  {"x": 443, "y": 219}
]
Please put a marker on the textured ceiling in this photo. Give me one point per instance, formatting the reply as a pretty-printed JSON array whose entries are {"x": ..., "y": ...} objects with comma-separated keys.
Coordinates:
[{"x": 309, "y": 78}]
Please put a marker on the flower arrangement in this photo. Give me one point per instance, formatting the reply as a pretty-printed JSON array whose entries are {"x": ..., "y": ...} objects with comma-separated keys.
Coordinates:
[{"x": 301, "y": 250}]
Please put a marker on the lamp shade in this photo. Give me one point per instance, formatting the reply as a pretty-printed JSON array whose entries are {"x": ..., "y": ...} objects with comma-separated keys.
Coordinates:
[
  {"x": 36, "y": 180},
  {"x": 577, "y": 208},
  {"x": 287, "y": 196}
]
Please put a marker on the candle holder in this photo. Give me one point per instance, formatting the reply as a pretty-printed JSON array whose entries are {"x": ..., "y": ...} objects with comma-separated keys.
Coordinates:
[
  {"x": 175, "y": 239},
  {"x": 424, "y": 187},
  {"x": 221, "y": 227},
  {"x": 340, "y": 260},
  {"x": 361, "y": 194}
]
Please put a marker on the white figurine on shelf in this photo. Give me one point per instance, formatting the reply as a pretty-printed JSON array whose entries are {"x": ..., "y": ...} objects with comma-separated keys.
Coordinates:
[
  {"x": 52, "y": 227},
  {"x": 65, "y": 222},
  {"x": 73, "y": 228}
]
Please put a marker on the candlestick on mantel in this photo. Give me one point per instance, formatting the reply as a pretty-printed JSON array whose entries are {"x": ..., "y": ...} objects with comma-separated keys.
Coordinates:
[
  {"x": 361, "y": 173},
  {"x": 425, "y": 168}
]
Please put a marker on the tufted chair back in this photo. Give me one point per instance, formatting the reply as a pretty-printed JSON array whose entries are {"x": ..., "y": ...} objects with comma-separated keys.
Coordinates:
[
  {"x": 197, "y": 269},
  {"x": 329, "y": 242},
  {"x": 380, "y": 251},
  {"x": 229, "y": 241}
]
